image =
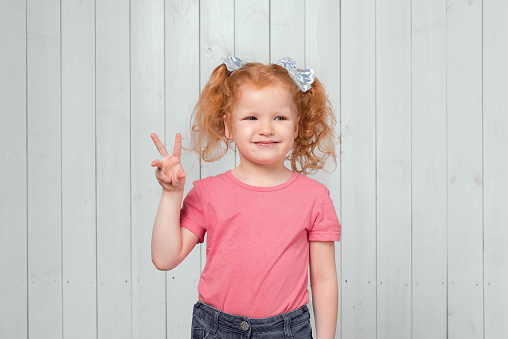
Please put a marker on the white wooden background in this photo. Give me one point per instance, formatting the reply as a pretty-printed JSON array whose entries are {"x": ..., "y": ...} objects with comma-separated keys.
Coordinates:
[{"x": 420, "y": 89}]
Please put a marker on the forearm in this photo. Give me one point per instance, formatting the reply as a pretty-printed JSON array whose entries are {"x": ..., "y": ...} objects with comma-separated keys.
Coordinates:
[
  {"x": 167, "y": 235},
  {"x": 325, "y": 305}
]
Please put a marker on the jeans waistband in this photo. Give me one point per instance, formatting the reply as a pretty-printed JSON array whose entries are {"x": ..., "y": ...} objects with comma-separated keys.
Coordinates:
[{"x": 240, "y": 324}]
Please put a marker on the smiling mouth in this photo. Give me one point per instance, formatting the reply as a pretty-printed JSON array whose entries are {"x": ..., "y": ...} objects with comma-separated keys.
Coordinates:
[{"x": 266, "y": 145}]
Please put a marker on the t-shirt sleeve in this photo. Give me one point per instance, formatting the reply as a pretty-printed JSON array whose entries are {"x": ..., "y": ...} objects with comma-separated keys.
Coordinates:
[
  {"x": 326, "y": 225},
  {"x": 192, "y": 215}
]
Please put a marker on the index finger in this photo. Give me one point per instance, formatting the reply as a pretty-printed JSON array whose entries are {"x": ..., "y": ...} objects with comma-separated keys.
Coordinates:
[{"x": 159, "y": 145}]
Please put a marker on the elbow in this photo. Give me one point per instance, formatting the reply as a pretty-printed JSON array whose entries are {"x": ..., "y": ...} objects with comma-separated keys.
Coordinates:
[{"x": 163, "y": 266}]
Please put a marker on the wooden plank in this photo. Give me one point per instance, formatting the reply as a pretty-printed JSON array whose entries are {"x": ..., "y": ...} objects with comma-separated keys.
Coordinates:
[
  {"x": 217, "y": 35},
  {"x": 287, "y": 31},
  {"x": 429, "y": 214},
  {"x": 147, "y": 116},
  {"x": 322, "y": 53},
  {"x": 465, "y": 174},
  {"x": 393, "y": 143},
  {"x": 252, "y": 35},
  {"x": 358, "y": 169},
  {"x": 252, "y": 30},
  {"x": 78, "y": 169},
  {"x": 113, "y": 170},
  {"x": 44, "y": 170},
  {"x": 13, "y": 171},
  {"x": 216, "y": 40},
  {"x": 182, "y": 61},
  {"x": 495, "y": 122}
]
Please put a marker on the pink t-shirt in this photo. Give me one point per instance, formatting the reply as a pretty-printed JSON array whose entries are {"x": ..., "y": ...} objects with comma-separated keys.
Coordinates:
[{"x": 257, "y": 246}]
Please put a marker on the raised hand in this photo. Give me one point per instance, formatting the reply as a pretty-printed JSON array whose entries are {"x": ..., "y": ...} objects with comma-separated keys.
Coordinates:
[{"x": 169, "y": 171}]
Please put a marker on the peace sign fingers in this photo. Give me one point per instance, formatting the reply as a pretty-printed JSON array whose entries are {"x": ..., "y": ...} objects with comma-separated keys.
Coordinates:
[
  {"x": 162, "y": 150},
  {"x": 169, "y": 172},
  {"x": 159, "y": 145}
]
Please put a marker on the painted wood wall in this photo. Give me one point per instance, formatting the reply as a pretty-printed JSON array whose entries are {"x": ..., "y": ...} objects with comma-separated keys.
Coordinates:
[{"x": 420, "y": 90}]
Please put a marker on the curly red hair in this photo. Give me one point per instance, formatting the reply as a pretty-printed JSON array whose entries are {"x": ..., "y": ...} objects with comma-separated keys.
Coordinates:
[{"x": 316, "y": 138}]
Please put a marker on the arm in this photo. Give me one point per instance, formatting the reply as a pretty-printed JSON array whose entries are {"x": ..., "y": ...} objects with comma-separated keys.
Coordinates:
[
  {"x": 323, "y": 281},
  {"x": 170, "y": 242}
]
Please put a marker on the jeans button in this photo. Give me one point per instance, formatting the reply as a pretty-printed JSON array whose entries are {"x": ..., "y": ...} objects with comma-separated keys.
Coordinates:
[{"x": 244, "y": 325}]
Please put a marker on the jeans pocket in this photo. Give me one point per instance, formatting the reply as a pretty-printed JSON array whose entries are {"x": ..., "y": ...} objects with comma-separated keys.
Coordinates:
[
  {"x": 302, "y": 331},
  {"x": 197, "y": 333},
  {"x": 199, "y": 328}
]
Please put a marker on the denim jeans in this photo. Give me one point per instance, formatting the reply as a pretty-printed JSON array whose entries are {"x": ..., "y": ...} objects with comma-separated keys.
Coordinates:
[{"x": 210, "y": 323}]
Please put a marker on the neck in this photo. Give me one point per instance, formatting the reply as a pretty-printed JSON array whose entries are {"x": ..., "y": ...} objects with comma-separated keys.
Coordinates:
[{"x": 262, "y": 175}]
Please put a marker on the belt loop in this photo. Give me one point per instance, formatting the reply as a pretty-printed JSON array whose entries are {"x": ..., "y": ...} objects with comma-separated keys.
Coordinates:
[
  {"x": 215, "y": 324},
  {"x": 287, "y": 326}
]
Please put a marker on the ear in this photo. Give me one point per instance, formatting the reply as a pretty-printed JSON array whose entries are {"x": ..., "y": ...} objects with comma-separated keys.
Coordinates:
[
  {"x": 296, "y": 128},
  {"x": 227, "y": 132}
]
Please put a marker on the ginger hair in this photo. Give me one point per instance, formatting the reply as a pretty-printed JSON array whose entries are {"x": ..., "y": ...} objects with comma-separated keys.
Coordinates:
[{"x": 316, "y": 139}]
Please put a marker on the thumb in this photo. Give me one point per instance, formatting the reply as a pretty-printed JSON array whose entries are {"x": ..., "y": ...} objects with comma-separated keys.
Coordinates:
[{"x": 180, "y": 175}]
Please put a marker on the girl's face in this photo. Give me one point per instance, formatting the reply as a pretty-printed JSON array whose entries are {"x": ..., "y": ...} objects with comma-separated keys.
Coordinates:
[{"x": 264, "y": 125}]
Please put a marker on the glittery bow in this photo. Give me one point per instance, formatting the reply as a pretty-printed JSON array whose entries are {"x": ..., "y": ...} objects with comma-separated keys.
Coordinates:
[
  {"x": 303, "y": 78},
  {"x": 233, "y": 63}
]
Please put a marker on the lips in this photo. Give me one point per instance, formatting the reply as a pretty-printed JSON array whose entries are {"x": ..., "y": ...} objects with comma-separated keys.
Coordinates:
[{"x": 266, "y": 144}]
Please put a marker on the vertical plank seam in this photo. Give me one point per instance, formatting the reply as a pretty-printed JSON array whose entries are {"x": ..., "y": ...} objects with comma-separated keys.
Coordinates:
[
  {"x": 166, "y": 139},
  {"x": 234, "y": 32},
  {"x": 96, "y": 218},
  {"x": 234, "y": 53},
  {"x": 26, "y": 173},
  {"x": 305, "y": 35},
  {"x": 410, "y": 284},
  {"x": 340, "y": 166},
  {"x": 269, "y": 31},
  {"x": 130, "y": 160},
  {"x": 483, "y": 196},
  {"x": 61, "y": 172},
  {"x": 446, "y": 129},
  {"x": 375, "y": 149},
  {"x": 199, "y": 92}
]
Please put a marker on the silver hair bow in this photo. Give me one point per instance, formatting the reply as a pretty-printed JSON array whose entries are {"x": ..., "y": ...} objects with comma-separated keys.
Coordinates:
[
  {"x": 303, "y": 78},
  {"x": 233, "y": 63}
]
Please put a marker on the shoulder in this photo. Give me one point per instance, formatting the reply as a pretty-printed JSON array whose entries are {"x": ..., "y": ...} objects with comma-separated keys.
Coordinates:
[
  {"x": 211, "y": 183},
  {"x": 311, "y": 186},
  {"x": 211, "y": 179}
]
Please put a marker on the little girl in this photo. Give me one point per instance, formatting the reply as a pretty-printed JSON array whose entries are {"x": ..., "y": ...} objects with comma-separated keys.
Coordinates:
[{"x": 266, "y": 224}]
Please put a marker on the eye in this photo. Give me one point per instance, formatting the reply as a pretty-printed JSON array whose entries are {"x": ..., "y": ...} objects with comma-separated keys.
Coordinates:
[
  {"x": 281, "y": 118},
  {"x": 250, "y": 118}
]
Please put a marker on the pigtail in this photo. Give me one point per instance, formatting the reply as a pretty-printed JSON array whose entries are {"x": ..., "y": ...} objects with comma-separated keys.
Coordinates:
[
  {"x": 207, "y": 123},
  {"x": 316, "y": 139}
]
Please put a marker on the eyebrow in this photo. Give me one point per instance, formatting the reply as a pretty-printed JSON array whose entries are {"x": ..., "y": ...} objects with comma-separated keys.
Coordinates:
[{"x": 288, "y": 111}]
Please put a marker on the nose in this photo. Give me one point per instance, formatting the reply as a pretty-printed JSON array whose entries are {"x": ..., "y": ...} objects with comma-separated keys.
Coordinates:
[{"x": 265, "y": 128}]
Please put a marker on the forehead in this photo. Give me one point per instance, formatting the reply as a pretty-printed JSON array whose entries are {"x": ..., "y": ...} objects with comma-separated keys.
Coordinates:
[{"x": 269, "y": 97}]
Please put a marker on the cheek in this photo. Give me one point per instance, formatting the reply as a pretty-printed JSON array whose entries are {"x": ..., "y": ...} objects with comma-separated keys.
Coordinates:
[{"x": 242, "y": 131}]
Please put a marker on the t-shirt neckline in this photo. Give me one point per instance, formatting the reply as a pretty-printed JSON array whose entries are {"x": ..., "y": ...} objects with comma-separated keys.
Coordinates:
[{"x": 285, "y": 184}]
